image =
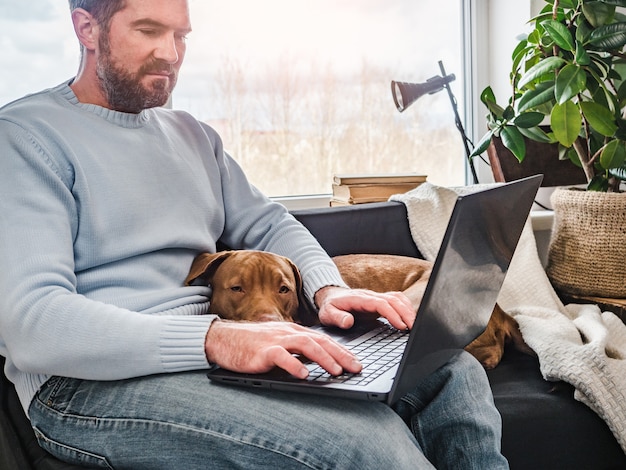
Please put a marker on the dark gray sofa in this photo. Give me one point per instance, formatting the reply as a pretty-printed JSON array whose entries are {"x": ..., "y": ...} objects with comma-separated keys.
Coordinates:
[{"x": 543, "y": 426}]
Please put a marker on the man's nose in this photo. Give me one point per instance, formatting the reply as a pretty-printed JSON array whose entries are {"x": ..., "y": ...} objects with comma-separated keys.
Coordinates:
[{"x": 167, "y": 50}]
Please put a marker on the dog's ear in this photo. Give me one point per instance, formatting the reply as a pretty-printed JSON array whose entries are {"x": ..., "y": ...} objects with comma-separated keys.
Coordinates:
[
  {"x": 297, "y": 276},
  {"x": 307, "y": 313},
  {"x": 204, "y": 265}
]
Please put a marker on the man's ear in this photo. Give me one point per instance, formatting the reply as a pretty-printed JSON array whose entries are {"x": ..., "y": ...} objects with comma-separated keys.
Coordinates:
[{"x": 86, "y": 28}]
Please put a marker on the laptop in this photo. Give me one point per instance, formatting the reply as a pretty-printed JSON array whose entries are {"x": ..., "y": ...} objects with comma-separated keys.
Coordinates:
[{"x": 468, "y": 272}]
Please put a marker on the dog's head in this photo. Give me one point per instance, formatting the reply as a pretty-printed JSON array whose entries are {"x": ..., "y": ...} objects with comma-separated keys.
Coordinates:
[{"x": 249, "y": 285}]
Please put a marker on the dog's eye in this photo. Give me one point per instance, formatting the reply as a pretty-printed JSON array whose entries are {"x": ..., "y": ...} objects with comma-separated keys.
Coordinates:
[
  {"x": 284, "y": 290},
  {"x": 236, "y": 289}
]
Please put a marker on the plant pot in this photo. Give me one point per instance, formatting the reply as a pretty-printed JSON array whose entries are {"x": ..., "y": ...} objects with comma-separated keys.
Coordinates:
[
  {"x": 540, "y": 159},
  {"x": 587, "y": 253}
]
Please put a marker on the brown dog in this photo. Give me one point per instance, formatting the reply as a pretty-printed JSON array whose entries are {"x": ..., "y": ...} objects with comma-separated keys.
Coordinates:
[
  {"x": 249, "y": 285},
  {"x": 260, "y": 286}
]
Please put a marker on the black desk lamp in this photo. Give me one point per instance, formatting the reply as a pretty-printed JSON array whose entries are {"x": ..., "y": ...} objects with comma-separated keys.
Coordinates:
[{"x": 404, "y": 94}]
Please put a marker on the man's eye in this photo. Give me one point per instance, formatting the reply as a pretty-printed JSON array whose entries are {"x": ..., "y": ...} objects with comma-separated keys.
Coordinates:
[{"x": 148, "y": 32}]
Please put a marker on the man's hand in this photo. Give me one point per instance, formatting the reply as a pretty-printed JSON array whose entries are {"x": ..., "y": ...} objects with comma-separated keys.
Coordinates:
[
  {"x": 252, "y": 347},
  {"x": 336, "y": 305}
]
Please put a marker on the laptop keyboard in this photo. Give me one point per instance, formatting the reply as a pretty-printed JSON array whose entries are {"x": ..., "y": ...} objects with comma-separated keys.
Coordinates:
[{"x": 378, "y": 351}]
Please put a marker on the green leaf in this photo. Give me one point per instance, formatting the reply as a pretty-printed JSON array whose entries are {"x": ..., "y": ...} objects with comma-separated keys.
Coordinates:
[
  {"x": 583, "y": 29},
  {"x": 482, "y": 144},
  {"x": 614, "y": 75},
  {"x": 559, "y": 34},
  {"x": 536, "y": 134},
  {"x": 489, "y": 100},
  {"x": 534, "y": 37},
  {"x": 581, "y": 57},
  {"x": 520, "y": 49},
  {"x": 602, "y": 89},
  {"x": 514, "y": 141},
  {"x": 599, "y": 117},
  {"x": 528, "y": 120},
  {"x": 543, "y": 93},
  {"x": 521, "y": 53},
  {"x": 570, "y": 81},
  {"x": 487, "y": 95},
  {"x": 571, "y": 155},
  {"x": 598, "y": 13},
  {"x": 566, "y": 121},
  {"x": 613, "y": 155},
  {"x": 608, "y": 37},
  {"x": 619, "y": 3},
  {"x": 621, "y": 129},
  {"x": 621, "y": 94},
  {"x": 571, "y": 4},
  {"x": 509, "y": 113},
  {"x": 598, "y": 183},
  {"x": 618, "y": 172},
  {"x": 599, "y": 67},
  {"x": 545, "y": 67}
]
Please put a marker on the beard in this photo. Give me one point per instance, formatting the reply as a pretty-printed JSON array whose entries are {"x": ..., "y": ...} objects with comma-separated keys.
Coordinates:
[{"x": 124, "y": 90}]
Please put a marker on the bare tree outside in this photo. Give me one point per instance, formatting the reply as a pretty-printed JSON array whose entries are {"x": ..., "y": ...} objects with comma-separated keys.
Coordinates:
[
  {"x": 232, "y": 90},
  {"x": 301, "y": 90},
  {"x": 292, "y": 132}
]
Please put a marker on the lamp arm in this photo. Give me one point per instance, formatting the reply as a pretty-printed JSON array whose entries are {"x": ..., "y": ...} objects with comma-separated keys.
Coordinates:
[{"x": 459, "y": 126}]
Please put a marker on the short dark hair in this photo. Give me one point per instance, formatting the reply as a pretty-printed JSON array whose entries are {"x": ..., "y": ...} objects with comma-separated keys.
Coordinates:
[{"x": 102, "y": 10}]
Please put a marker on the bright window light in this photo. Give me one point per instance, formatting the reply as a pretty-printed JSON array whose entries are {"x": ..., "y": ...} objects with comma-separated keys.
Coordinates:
[{"x": 298, "y": 89}]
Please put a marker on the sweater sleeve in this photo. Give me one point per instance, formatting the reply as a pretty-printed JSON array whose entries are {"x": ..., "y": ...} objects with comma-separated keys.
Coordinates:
[
  {"x": 255, "y": 222},
  {"x": 46, "y": 326}
]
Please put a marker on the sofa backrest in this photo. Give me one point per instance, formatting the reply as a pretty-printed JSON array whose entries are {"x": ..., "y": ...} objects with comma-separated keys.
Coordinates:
[{"x": 381, "y": 228}]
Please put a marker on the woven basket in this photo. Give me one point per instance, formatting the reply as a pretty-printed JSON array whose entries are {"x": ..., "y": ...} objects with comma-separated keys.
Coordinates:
[{"x": 587, "y": 254}]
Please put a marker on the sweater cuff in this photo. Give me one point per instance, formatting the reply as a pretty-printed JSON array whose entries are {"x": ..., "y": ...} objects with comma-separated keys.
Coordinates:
[
  {"x": 182, "y": 342},
  {"x": 321, "y": 277}
]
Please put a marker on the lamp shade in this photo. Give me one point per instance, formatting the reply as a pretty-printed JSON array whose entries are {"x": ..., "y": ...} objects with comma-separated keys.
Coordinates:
[{"x": 404, "y": 94}]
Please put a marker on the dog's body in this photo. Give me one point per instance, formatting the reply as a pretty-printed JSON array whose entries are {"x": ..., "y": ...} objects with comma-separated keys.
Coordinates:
[
  {"x": 261, "y": 286},
  {"x": 386, "y": 273}
]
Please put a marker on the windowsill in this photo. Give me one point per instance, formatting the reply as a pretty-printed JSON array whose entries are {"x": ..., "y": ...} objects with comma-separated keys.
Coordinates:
[
  {"x": 542, "y": 219},
  {"x": 313, "y": 201}
]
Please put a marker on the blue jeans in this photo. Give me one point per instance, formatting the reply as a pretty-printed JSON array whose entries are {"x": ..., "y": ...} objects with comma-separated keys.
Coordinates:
[{"x": 183, "y": 421}]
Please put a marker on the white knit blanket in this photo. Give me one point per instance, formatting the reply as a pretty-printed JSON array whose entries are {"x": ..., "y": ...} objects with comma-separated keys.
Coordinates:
[{"x": 575, "y": 343}]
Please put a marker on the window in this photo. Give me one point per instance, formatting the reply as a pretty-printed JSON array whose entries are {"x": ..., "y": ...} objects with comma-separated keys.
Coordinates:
[
  {"x": 38, "y": 46},
  {"x": 298, "y": 89}
]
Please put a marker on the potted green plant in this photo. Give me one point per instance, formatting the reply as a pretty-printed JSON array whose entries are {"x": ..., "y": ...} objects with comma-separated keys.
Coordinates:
[{"x": 568, "y": 90}]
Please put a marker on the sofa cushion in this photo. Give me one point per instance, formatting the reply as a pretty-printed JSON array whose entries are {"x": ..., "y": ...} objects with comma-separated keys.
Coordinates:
[
  {"x": 18, "y": 446},
  {"x": 543, "y": 426}
]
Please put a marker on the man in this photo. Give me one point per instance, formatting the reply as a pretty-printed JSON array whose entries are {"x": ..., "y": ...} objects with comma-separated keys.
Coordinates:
[{"x": 105, "y": 201}]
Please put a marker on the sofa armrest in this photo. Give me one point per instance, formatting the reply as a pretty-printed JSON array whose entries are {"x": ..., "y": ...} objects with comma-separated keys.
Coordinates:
[{"x": 376, "y": 228}]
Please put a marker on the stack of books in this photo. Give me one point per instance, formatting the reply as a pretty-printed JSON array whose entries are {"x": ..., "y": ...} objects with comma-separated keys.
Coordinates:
[{"x": 361, "y": 188}]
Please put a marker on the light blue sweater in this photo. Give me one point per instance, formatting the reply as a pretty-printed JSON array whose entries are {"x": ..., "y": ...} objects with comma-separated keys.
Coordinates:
[{"x": 101, "y": 215}]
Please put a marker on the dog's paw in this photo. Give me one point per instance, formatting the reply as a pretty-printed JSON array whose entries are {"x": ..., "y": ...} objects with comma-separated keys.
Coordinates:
[{"x": 488, "y": 356}]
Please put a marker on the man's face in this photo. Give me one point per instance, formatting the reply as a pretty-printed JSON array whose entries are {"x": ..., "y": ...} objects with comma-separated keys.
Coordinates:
[{"x": 140, "y": 56}]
